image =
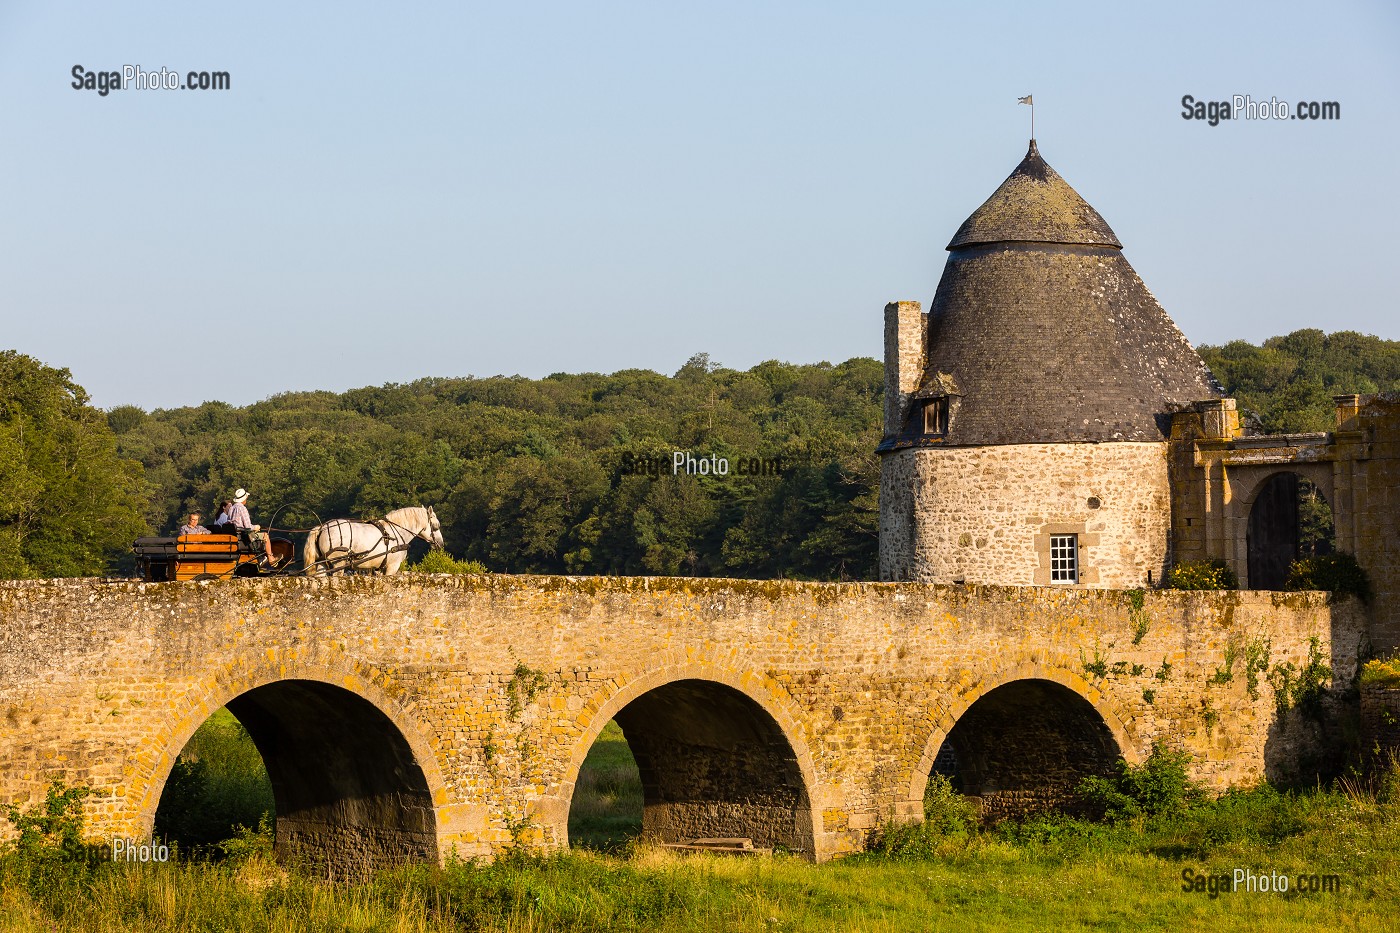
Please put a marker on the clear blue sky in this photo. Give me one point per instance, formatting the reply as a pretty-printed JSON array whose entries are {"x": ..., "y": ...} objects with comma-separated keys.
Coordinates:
[{"x": 454, "y": 189}]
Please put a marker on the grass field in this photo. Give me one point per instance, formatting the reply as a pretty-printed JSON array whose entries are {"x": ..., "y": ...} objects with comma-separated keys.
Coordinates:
[
  {"x": 1045, "y": 874},
  {"x": 218, "y": 783},
  {"x": 607, "y": 808}
]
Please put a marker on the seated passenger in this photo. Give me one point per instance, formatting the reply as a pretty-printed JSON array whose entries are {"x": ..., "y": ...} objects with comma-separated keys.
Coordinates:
[
  {"x": 225, "y": 514},
  {"x": 193, "y": 527}
]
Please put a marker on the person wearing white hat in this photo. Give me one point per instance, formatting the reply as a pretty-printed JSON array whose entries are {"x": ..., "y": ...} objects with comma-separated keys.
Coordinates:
[{"x": 239, "y": 518}]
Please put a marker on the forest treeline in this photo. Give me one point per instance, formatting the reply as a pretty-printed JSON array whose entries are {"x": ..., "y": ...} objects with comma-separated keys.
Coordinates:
[
  {"x": 1289, "y": 381},
  {"x": 539, "y": 475}
]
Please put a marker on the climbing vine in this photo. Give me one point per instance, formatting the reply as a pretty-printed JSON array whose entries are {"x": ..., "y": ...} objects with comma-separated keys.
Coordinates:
[
  {"x": 1225, "y": 674},
  {"x": 1137, "y": 614},
  {"x": 1302, "y": 688},
  {"x": 525, "y": 684},
  {"x": 1097, "y": 667},
  {"x": 1210, "y": 715},
  {"x": 1256, "y": 662}
]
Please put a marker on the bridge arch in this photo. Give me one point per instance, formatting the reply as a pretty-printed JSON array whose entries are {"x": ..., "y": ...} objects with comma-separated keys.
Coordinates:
[
  {"x": 355, "y": 783},
  {"x": 719, "y": 753},
  {"x": 1016, "y": 734}
]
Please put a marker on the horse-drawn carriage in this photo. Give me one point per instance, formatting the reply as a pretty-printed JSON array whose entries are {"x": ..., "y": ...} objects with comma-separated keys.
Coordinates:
[
  {"x": 207, "y": 557},
  {"x": 338, "y": 546}
]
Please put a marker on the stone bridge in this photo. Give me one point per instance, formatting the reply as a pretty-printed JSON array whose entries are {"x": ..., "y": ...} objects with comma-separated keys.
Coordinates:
[{"x": 414, "y": 716}]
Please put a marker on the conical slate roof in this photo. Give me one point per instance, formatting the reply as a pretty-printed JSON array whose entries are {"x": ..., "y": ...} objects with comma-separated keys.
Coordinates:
[
  {"x": 1035, "y": 205},
  {"x": 1046, "y": 330}
]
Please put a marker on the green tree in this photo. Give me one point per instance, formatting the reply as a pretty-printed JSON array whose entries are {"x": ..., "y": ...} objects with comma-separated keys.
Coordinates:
[
  {"x": 69, "y": 503},
  {"x": 1289, "y": 381}
]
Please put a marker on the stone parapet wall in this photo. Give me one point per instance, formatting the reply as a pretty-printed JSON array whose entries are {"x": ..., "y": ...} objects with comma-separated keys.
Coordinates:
[{"x": 464, "y": 706}]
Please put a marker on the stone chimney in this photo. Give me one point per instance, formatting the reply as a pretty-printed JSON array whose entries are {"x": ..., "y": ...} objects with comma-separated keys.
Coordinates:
[
  {"x": 906, "y": 333},
  {"x": 1219, "y": 418},
  {"x": 1348, "y": 407}
]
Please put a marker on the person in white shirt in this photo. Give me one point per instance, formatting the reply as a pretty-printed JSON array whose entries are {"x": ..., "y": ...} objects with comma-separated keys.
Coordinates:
[{"x": 239, "y": 518}]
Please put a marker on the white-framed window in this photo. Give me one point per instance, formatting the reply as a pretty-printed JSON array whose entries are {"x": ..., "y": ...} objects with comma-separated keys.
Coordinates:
[{"x": 1064, "y": 558}]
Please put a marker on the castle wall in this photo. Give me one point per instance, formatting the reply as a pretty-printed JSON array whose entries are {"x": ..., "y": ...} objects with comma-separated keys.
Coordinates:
[
  {"x": 1380, "y": 724},
  {"x": 1374, "y": 507},
  {"x": 1217, "y": 472},
  {"x": 985, "y": 514}
]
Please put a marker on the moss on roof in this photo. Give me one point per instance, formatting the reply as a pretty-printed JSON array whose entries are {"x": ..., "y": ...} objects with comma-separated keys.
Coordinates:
[
  {"x": 1046, "y": 329},
  {"x": 1035, "y": 205}
]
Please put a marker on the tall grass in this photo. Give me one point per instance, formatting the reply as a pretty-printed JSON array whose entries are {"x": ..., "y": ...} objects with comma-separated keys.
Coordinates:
[
  {"x": 1044, "y": 875},
  {"x": 606, "y": 812},
  {"x": 950, "y": 873}
]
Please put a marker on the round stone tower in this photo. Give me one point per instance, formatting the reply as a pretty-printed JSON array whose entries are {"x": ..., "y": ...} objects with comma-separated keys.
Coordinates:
[{"x": 1026, "y": 414}]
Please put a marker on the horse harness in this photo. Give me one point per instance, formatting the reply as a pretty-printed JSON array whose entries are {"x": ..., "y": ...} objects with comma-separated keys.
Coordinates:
[
  {"x": 383, "y": 525},
  {"x": 389, "y": 541}
]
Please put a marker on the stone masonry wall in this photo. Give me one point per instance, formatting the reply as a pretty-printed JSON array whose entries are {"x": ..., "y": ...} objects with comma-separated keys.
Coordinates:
[
  {"x": 984, "y": 514},
  {"x": 1217, "y": 472},
  {"x": 906, "y": 329},
  {"x": 496, "y": 686},
  {"x": 1380, "y": 724}
]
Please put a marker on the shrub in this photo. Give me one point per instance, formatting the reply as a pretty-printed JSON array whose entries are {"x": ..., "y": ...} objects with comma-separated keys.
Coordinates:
[
  {"x": 439, "y": 561},
  {"x": 1253, "y": 817},
  {"x": 906, "y": 841},
  {"x": 1381, "y": 673},
  {"x": 1158, "y": 786},
  {"x": 946, "y": 810},
  {"x": 217, "y": 786},
  {"x": 1337, "y": 573},
  {"x": 1202, "y": 575},
  {"x": 247, "y": 844},
  {"x": 54, "y": 828},
  {"x": 1055, "y": 833},
  {"x": 947, "y": 813}
]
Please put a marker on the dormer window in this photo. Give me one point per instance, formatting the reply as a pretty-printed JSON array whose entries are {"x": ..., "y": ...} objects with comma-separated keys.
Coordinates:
[{"x": 936, "y": 415}]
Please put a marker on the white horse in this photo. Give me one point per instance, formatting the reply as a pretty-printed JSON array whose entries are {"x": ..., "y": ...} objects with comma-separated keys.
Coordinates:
[{"x": 378, "y": 544}]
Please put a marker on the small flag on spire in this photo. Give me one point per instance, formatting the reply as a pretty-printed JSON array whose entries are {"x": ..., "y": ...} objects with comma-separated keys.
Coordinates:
[{"x": 1025, "y": 100}]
